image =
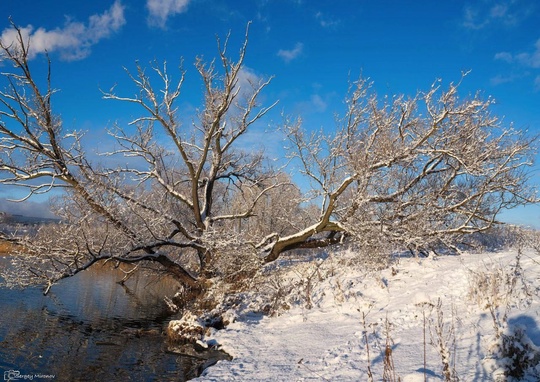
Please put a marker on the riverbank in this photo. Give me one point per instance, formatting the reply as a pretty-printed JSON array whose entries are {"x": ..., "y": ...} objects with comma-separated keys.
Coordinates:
[{"x": 418, "y": 319}]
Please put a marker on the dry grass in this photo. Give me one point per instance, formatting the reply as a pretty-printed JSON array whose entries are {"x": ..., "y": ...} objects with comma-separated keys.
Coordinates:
[{"x": 6, "y": 247}]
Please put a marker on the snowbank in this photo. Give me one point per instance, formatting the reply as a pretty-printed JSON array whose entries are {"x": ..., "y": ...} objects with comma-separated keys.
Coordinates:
[{"x": 453, "y": 309}]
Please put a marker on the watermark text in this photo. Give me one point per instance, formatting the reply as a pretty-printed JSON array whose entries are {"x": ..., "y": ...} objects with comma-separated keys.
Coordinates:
[{"x": 16, "y": 375}]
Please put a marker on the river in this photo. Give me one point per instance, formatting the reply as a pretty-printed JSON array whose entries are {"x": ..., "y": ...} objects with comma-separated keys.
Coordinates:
[{"x": 90, "y": 328}]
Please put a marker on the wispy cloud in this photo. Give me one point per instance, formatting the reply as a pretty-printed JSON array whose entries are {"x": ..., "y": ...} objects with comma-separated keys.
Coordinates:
[
  {"x": 504, "y": 56},
  {"x": 484, "y": 14},
  {"x": 504, "y": 79},
  {"x": 75, "y": 39},
  {"x": 248, "y": 80},
  {"x": 315, "y": 104},
  {"x": 529, "y": 59},
  {"x": 325, "y": 21},
  {"x": 524, "y": 62},
  {"x": 291, "y": 54},
  {"x": 318, "y": 103},
  {"x": 160, "y": 10}
]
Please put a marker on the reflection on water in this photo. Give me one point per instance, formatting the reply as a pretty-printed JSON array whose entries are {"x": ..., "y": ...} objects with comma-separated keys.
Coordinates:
[{"x": 90, "y": 328}]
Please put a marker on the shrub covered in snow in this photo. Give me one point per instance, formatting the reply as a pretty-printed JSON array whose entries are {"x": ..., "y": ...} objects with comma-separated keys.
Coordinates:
[
  {"x": 515, "y": 357},
  {"x": 188, "y": 329}
]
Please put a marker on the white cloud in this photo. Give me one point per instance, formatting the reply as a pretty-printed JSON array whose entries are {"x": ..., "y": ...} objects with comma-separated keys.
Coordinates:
[
  {"x": 523, "y": 63},
  {"x": 501, "y": 79},
  {"x": 471, "y": 19},
  {"x": 528, "y": 59},
  {"x": 325, "y": 21},
  {"x": 498, "y": 10},
  {"x": 248, "y": 80},
  {"x": 531, "y": 59},
  {"x": 161, "y": 10},
  {"x": 484, "y": 14},
  {"x": 318, "y": 103},
  {"x": 289, "y": 55},
  {"x": 75, "y": 39},
  {"x": 101, "y": 26},
  {"x": 504, "y": 56}
]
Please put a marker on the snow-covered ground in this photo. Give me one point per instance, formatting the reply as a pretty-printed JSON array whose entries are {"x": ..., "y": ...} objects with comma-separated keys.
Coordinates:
[{"x": 411, "y": 300}]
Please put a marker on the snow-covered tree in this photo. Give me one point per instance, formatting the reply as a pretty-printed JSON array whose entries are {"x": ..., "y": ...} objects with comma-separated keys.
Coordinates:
[
  {"x": 419, "y": 172},
  {"x": 191, "y": 202}
]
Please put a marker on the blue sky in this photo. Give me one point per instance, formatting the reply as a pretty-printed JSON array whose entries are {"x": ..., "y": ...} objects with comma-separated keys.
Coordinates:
[{"x": 313, "y": 48}]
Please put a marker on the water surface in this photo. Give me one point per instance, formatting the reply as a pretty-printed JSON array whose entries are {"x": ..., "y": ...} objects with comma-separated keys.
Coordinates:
[{"x": 90, "y": 328}]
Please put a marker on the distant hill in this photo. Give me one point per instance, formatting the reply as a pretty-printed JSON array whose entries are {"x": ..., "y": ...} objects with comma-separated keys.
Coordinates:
[
  {"x": 16, "y": 225},
  {"x": 6, "y": 218}
]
